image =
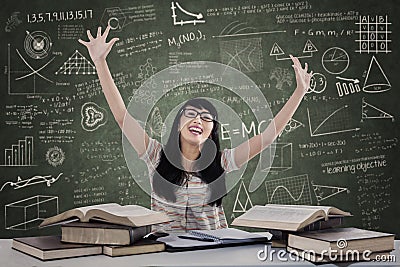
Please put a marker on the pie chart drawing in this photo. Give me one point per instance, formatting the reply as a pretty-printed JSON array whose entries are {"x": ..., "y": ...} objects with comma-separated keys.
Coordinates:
[{"x": 335, "y": 60}]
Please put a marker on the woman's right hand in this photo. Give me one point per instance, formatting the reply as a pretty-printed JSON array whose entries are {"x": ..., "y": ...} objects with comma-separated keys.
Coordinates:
[{"x": 98, "y": 47}]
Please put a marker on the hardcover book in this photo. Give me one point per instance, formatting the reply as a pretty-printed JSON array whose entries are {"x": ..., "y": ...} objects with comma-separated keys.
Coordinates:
[
  {"x": 51, "y": 247},
  {"x": 286, "y": 217},
  {"x": 102, "y": 233},
  {"x": 130, "y": 215}
]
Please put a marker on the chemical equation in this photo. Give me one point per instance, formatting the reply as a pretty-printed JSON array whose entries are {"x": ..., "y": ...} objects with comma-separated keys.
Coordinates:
[
  {"x": 317, "y": 17},
  {"x": 186, "y": 38}
]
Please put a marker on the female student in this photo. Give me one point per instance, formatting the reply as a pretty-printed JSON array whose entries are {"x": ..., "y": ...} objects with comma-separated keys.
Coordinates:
[{"x": 187, "y": 175}]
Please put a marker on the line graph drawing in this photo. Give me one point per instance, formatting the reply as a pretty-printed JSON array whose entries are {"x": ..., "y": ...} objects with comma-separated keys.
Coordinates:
[
  {"x": 338, "y": 121},
  {"x": 20, "y": 154},
  {"x": 323, "y": 192},
  {"x": 196, "y": 18},
  {"x": 308, "y": 50},
  {"x": 25, "y": 82},
  {"x": 242, "y": 196},
  {"x": 37, "y": 44},
  {"x": 244, "y": 55},
  {"x": 289, "y": 190},
  {"x": 77, "y": 64},
  {"x": 34, "y": 72},
  {"x": 237, "y": 28},
  {"x": 369, "y": 111},
  {"x": 37, "y": 179},
  {"x": 27, "y": 213},
  {"x": 376, "y": 80},
  {"x": 335, "y": 60}
]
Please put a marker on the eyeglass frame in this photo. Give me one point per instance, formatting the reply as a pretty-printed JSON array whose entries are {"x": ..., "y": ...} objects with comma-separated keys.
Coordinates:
[{"x": 199, "y": 113}]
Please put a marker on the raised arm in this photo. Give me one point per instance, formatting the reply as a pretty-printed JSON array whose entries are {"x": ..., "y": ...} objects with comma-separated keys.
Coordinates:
[
  {"x": 98, "y": 49},
  {"x": 247, "y": 150}
]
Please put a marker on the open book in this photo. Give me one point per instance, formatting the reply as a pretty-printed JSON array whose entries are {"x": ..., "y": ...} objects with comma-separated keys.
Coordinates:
[
  {"x": 286, "y": 217},
  {"x": 130, "y": 215}
]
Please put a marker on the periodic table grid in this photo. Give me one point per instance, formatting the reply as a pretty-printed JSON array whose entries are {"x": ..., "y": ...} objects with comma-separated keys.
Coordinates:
[{"x": 373, "y": 35}]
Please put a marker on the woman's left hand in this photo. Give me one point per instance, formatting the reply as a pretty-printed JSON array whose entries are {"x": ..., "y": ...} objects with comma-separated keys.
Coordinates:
[{"x": 302, "y": 76}]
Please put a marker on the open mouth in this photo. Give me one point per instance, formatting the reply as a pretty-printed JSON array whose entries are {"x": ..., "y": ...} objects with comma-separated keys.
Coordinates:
[{"x": 195, "y": 130}]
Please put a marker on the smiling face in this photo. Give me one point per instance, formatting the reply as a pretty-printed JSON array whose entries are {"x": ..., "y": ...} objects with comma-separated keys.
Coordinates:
[{"x": 195, "y": 125}]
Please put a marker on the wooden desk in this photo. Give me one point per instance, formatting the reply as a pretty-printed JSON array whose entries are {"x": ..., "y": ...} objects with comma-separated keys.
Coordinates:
[{"x": 233, "y": 256}]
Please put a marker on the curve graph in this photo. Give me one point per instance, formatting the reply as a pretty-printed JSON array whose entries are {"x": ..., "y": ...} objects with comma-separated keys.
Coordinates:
[{"x": 289, "y": 190}]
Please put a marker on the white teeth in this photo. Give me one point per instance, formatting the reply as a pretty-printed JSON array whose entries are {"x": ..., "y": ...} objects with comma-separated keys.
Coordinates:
[{"x": 196, "y": 130}]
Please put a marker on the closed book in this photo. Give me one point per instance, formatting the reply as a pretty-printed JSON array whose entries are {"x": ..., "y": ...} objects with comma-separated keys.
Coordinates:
[
  {"x": 102, "y": 233},
  {"x": 344, "y": 257},
  {"x": 341, "y": 240},
  {"x": 51, "y": 247},
  {"x": 280, "y": 238},
  {"x": 140, "y": 247}
]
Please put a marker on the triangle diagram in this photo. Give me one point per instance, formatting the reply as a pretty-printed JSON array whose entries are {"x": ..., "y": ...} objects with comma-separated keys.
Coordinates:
[
  {"x": 376, "y": 80},
  {"x": 309, "y": 47},
  {"x": 291, "y": 126},
  {"x": 371, "y": 112},
  {"x": 243, "y": 201},
  {"x": 276, "y": 50},
  {"x": 77, "y": 64},
  {"x": 323, "y": 192}
]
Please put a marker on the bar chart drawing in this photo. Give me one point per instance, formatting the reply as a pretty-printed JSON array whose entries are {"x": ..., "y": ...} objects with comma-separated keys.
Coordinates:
[{"x": 20, "y": 154}]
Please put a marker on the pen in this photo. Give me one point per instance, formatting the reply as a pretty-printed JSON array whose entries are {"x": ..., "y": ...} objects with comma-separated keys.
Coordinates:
[{"x": 205, "y": 239}]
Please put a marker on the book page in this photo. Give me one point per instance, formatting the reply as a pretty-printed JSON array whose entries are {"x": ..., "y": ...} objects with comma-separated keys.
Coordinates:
[
  {"x": 328, "y": 210},
  {"x": 277, "y": 213},
  {"x": 107, "y": 206},
  {"x": 122, "y": 211}
]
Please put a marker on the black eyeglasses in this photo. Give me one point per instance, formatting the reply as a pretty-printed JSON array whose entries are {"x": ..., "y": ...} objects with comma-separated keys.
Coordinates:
[{"x": 192, "y": 113}]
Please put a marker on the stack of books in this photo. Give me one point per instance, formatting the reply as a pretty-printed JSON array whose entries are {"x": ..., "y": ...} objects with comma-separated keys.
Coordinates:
[
  {"x": 314, "y": 233},
  {"x": 109, "y": 229}
]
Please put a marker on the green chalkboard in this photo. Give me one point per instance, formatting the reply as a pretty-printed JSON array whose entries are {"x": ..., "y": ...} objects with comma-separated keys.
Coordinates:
[{"x": 61, "y": 147}]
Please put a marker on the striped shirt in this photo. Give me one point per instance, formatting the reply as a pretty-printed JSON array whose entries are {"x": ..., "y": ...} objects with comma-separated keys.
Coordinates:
[{"x": 190, "y": 211}]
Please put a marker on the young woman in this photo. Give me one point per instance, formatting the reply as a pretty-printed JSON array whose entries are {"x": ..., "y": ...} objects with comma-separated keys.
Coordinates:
[{"x": 188, "y": 173}]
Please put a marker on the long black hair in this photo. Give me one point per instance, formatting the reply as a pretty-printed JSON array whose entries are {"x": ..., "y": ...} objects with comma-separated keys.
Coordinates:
[{"x": 169, "y": 175}]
